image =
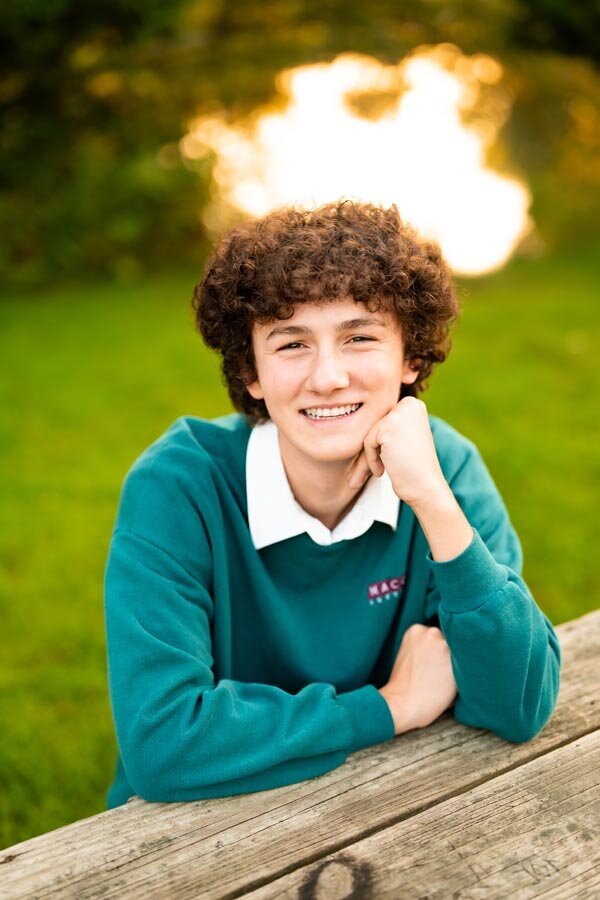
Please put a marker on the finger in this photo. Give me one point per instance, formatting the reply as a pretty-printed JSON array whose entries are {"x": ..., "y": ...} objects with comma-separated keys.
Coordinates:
[
  {"x": 372, "y": 451},
  {"x": 360, "y": 471}
]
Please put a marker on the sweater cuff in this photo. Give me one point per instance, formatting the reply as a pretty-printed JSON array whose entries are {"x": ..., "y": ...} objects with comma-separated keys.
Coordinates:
[
  {"x": 468, "y": 580},
  {"x": 370, "y": 715}
]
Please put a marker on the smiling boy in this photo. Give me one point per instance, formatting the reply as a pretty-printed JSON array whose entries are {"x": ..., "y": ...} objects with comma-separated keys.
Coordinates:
[{"x": 329, "y": 566}]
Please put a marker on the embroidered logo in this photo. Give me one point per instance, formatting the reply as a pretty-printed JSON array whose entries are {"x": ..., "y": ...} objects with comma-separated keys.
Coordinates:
[{"x": 389, "y": 589}]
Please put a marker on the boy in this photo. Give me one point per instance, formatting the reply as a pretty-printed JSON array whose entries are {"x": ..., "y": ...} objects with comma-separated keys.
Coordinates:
[{"x": 329, "y": 566}]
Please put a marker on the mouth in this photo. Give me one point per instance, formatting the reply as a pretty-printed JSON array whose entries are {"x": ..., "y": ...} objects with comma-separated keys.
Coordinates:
[{"x": 335, "y": 414}]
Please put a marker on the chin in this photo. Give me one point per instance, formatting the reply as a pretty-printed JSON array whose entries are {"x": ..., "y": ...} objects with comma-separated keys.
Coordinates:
[{"x": 340, "y": 454}]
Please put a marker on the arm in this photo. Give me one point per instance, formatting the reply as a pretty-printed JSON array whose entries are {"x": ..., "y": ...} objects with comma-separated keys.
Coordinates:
[
  {"x": 505, "y": 653},
  {"x": 183, "y": 736}
]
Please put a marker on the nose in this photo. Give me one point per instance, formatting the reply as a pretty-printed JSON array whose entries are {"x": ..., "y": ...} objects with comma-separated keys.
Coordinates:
[{"x": 328, "y": 372}]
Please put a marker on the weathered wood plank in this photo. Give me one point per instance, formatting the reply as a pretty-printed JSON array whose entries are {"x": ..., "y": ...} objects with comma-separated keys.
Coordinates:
[
  {"x": 534, "y": 831},
  {"x": 234, "y": 844}
]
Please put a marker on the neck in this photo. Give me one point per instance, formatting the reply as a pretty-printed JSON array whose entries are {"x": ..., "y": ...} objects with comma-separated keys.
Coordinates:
[{"x": 321, "y": 488}]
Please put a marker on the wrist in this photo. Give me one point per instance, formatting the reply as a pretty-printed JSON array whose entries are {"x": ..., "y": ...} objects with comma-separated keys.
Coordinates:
[
  {"x": 446, "y": 528},
  {"x": 386, "y": 697},
  {"x": 438, "y": 497},
  {"x": 395, "y": 704}
]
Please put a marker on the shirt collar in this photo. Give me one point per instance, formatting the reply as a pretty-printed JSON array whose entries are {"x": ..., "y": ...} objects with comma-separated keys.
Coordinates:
[{"x": 275, "y": 515}]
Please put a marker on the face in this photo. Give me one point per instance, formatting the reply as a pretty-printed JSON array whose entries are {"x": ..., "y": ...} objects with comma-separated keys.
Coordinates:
[{"x": 336, "y": 357}]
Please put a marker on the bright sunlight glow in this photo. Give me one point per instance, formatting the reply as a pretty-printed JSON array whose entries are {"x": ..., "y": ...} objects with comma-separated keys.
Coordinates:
[{"x": 357, "y": 129}]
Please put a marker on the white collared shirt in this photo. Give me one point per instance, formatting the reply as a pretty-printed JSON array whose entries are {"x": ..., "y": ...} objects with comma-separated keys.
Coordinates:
[{"x": 274, "y": 514}]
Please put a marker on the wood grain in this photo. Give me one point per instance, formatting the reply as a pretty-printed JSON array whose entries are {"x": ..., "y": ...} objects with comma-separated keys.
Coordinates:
[
  {"x": 230, "y": 846},
  {"x": 534, "y": 831}
]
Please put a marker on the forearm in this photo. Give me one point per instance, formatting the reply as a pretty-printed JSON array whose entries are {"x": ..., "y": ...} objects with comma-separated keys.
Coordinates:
[
  {"x": 184, "y": 736},
  {"x": 244, "y": 737},
  {"x": 444, "y": 524},
  {"x": 505, "y": 653}
]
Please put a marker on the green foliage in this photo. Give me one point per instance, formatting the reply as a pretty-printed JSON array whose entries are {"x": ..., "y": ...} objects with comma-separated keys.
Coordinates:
[
  {"x": 93, "y": 375},
  {"x": 570, "y": 28},
  {"x": 554, "y": 139},
  {"x": 85, "y": 186},
  {"x": 95, "y": 99}
]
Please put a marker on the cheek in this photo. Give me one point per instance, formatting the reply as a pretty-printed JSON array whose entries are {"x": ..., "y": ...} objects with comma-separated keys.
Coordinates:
[
  {"x": 382, "y": 372},
  {"x": 284, "y": 381}
]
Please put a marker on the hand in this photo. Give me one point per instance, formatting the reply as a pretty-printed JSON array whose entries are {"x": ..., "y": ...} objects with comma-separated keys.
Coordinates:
[
  {"x": 422, "y": 685},
  {"x": 401, "y": 444}
]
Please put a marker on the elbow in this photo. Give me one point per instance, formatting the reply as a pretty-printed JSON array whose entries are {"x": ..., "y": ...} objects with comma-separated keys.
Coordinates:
[
  {"x": 534, "y": 719},
  {"x": 519, "y": 733},
  {"x": 519, "y": 714},
  {"x": 149, "y": 767},
  {"x": 158, "y": 773},
  {"x": 162, "y": 758},
  {"x": 148, "y": 780},
  {"x": 526, "y": 727},
  {"x": 150, "y": 790},
  {"x": 518, "y": 726}
]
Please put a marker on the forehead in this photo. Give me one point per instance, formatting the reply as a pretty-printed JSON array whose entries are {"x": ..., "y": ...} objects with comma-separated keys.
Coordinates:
[{"x": 328, "y": 315}]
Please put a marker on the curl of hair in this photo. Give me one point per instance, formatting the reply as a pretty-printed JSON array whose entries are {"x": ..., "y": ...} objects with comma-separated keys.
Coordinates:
[{"x": 260, "y": 270}]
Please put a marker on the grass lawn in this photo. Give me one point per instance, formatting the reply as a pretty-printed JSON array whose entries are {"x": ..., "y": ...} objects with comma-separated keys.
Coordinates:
[{"x": 91, "y": 376}]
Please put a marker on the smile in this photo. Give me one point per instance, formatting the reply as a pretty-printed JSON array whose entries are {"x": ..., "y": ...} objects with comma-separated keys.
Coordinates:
[{"x": 317, "y": 413}]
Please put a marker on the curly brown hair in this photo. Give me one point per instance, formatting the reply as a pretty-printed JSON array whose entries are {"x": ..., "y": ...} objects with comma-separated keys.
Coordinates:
[{"x": 260, "y": 270}]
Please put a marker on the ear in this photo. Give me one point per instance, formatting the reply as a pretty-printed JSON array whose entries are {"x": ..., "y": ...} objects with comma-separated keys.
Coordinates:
[
  {"x": 254, "y": 390},
  {"x": 410, "y": 371}
]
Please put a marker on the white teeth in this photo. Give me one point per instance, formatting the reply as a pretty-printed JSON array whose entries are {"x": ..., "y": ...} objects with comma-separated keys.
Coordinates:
[{"x": 317, "y": 412}]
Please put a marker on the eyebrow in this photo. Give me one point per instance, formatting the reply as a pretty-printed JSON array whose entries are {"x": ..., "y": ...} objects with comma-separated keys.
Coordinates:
[{"x": 348, "y": 325}]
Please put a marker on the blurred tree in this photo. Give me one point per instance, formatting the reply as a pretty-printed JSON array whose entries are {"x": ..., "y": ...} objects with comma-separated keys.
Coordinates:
[
  {"x": 95, "y": 99},
  {"x": 570, "y": 28},
  {"x": 552, "y": 137},
  {"x": 84, "y": 186}
]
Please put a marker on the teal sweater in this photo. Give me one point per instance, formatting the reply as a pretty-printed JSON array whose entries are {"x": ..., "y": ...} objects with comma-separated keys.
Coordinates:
[{"x": 233, "y": 669}]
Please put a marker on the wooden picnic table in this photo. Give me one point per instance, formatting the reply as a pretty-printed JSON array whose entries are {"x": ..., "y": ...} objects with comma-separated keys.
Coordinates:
[{"x": 446, "y": 811}]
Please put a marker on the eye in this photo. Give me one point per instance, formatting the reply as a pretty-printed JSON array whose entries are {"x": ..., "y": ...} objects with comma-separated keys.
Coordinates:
[{"x": 294, "y": 344}]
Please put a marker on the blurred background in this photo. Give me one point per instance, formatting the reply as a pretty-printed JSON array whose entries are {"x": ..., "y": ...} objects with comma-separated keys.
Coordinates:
[{"x": 133, "y": 133}]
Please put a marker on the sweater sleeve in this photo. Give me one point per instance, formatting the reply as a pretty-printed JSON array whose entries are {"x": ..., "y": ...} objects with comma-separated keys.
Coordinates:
[
  {"x": 183, "y": 736},
  {"x": 505, "y": 653}
]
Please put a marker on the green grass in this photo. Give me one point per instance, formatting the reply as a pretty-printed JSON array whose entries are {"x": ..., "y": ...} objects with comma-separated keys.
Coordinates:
[{"x": 92, "y": 376}]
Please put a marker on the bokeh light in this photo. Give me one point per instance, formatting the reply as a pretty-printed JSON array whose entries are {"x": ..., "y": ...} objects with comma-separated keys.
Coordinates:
[{"x": 388, "y": 134}]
